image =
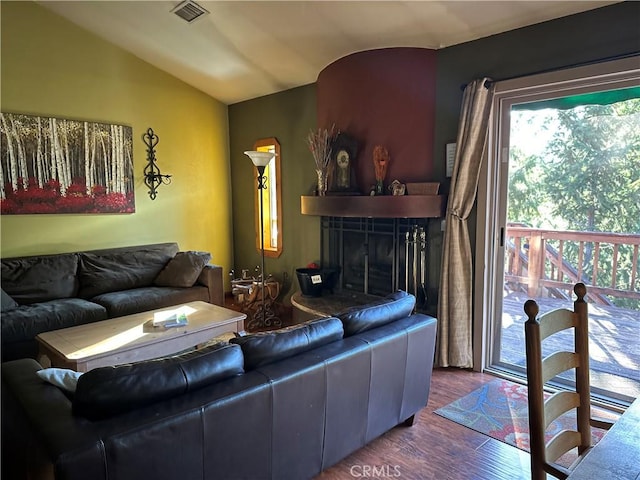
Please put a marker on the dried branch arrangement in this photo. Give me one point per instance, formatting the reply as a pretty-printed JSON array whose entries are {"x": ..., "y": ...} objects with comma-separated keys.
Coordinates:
[
  {"x": 320, "y": 146},
  {"x": 381, "y": 162}
]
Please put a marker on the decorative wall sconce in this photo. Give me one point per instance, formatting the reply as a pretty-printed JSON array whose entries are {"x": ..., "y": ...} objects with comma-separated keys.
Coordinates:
[{"x": 152, "y": 176}]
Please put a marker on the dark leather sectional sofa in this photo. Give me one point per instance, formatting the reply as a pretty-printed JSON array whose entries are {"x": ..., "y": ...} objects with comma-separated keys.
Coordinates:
[
  {"x": 276, "y": 405},
  {"x": 49, "y": 292}
]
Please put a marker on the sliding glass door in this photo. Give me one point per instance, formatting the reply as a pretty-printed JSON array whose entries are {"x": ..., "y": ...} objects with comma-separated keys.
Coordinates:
[{"x": 563, "y": 206}]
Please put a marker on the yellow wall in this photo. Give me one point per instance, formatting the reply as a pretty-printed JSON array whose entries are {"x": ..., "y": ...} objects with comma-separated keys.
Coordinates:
[{"x": 51, "y": 67}]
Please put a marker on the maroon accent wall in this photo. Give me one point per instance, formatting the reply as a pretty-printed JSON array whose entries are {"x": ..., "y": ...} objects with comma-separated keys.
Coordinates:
[{"x": 384, "y": 97}]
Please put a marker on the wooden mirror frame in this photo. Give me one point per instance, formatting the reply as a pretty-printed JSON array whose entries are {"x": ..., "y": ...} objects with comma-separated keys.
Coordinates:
[{"x": 270, "y": 250}]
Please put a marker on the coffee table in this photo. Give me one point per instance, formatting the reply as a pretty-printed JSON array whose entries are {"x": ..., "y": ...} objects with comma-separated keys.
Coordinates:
[{"x": 131, "y": 339}]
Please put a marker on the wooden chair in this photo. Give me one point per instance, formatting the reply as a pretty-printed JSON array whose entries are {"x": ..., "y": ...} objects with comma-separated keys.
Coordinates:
[{"x": 539, "y": 371}]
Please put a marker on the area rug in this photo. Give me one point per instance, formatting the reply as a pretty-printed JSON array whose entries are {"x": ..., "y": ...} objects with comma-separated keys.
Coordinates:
[{"x": 499, "y": 409}]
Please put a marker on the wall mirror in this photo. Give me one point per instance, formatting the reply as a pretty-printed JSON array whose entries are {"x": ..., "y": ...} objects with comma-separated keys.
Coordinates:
[{"x": 272, "y": 200}]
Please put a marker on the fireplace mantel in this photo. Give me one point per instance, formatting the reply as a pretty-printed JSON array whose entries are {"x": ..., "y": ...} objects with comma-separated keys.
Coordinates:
[{"x": 385, "y": 206}]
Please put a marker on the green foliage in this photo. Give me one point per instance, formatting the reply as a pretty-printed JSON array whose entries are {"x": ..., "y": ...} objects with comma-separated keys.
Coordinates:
[
  {"x": 591, "y": 168},
  {"x": 586, "y": 177}
]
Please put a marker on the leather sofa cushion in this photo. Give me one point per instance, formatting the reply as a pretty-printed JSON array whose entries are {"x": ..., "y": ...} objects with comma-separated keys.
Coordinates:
[
  {"x": 108, "y": 391},
  {"x": 267, "y": 347},
  {"x": 119, "y": 269},
  {"x": 183, "y": 270},
  {"x": 27, "y": 321},
  {"x": 397, "y": 305},
  {"x": 138, "y": 300},
  {"x": 40, "y": 278}
]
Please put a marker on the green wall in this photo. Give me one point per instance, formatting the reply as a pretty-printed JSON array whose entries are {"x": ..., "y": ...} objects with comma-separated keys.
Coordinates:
[
  {"x": 51, "y": 67},
  {"x": 287, "y": 116},
  {"x": 586, "y": 37}
]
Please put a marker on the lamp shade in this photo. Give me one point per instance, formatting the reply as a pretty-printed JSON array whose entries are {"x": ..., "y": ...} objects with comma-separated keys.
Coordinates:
[{"x": 260, "y": 159}]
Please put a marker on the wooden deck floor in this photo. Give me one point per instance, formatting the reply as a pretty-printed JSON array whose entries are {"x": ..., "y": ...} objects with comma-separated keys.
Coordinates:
[{"x": 614, "y": 342}]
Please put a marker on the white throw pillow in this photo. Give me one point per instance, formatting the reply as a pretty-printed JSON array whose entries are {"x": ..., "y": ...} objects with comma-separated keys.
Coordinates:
[{"x": 60, "y": 377}]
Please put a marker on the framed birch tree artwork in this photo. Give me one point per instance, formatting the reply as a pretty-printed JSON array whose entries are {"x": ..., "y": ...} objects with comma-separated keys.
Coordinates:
[{"x": 53, "y": 165}]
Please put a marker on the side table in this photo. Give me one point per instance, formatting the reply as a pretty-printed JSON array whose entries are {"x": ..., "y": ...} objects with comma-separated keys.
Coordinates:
[{"x": 248, "y": 296}]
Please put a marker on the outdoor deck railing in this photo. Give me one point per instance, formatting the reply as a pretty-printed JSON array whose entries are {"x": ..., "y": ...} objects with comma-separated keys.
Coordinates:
[{"x": 555, "y": 260}]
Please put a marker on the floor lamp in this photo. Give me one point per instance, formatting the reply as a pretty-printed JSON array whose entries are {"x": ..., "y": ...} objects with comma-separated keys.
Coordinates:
[{"x": 264, "y": 316}]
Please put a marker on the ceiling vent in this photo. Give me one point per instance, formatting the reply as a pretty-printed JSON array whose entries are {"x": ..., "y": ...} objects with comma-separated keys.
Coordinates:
[{"x": 189, "y": 11}]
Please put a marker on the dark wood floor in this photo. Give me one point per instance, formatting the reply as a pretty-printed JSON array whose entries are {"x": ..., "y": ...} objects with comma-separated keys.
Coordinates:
[{"x": 437, "y": 448}]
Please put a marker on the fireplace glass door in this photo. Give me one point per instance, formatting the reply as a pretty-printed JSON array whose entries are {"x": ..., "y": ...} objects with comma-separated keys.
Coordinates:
[{"x": 378, "y": 256}]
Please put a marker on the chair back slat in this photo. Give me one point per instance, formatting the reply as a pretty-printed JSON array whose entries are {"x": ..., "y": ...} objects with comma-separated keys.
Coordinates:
[
  {"x": 557, "y": 363},
  {"x": 559, "y": 403},
  {"x": 561, "y": 444},
  {"x": 555, "y": 321}
]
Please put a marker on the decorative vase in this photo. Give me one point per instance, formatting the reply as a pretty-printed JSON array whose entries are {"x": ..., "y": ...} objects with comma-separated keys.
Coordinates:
[
  {"x": 322, "y": 182},
  {"x": 379, "y": 187}
]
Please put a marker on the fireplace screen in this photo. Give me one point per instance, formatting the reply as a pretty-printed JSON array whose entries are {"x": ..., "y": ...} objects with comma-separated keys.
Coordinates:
[{"x": 377, "y": 256}]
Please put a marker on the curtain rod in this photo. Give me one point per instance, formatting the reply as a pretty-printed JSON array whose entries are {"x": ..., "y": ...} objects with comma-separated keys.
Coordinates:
[{"x": 488, "y": 83}]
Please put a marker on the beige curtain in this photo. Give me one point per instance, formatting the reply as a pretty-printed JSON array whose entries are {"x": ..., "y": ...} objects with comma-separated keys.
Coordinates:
[{"x": 454, "y": 346}]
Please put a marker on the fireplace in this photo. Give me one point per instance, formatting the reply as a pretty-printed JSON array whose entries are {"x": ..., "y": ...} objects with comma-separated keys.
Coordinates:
[
  {"x": 381, "y": 243},
  {"x": 377, "y": 256}
]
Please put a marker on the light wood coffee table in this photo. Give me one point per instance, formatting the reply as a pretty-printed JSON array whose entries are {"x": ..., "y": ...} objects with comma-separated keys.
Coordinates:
[{"x": 127, "y": 339}]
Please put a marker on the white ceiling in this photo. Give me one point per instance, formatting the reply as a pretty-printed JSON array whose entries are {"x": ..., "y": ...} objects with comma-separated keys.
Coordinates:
[{"x": 246, "y": 49}]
